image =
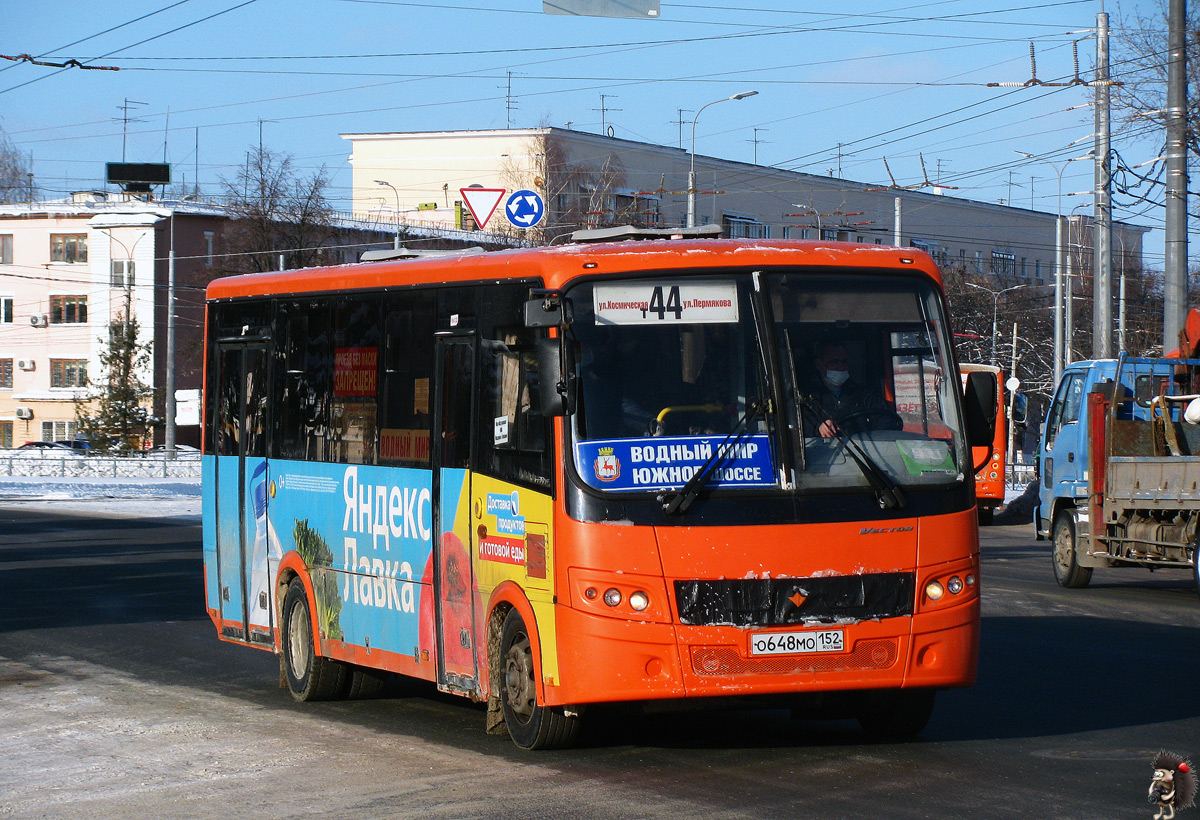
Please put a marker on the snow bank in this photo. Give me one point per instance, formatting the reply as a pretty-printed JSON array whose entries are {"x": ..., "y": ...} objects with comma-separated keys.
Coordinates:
[{"x": 122, "y": 497}]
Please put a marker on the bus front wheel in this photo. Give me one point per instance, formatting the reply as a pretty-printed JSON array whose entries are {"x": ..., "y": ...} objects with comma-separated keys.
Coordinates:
[
  {"x": 895, "y": 713},
  {"x": 309, "y": 676},
  {"x": 1067, "y": 571},
  {"x": 530, "y": 725}
]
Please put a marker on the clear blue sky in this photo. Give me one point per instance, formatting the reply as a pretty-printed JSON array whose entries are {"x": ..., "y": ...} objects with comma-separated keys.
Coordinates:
[{"x": 894, "y": 80}]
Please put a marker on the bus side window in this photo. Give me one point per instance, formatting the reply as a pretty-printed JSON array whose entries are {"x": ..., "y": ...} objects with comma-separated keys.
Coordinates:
[
  {"x": 404, "y": 413},
  {"x": 513, "y": 434},
  {"x": 304, "y": 382},
  {"x": 355, "y": 380}
]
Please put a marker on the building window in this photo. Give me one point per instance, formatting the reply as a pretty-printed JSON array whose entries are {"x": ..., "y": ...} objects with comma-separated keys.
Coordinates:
[
  {"x": 208, "y": 249},
  {"x": 68, "y": 247},
  {"x": 1037, "y": 269},
  {"x": 6, "y": 435},
  {"x": 794, "y": 232},
  {"x": 68, "y": 372},
  {"x": 830, "y": 234},
  {"x": 58, "y": 430},
  {"x": 1004, "y": 264},
  {"x": 6, "y": 366},
  {"x": 740, "y": 227},
  {"x": 6, "y": 249},
  {"x": 6, "y": 310},
  {"x": 68, "y": 310},
  {"x": 122, "y": 273}
]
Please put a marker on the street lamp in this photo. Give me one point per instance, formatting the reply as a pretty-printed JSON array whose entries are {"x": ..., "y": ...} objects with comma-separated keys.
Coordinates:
[
  {"x": 395, "y": 244},
  {"x": 691, "y": 214},
  {"x": 996, "y": 294},
  {"x": 1058, "y": 167}
]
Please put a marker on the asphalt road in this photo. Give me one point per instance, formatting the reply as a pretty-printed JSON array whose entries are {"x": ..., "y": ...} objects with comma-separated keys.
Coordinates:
[{"x": 117, "y": 701}]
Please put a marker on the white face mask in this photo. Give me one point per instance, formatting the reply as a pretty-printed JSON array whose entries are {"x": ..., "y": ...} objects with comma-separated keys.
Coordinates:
[{"x": 836, "y": 378}]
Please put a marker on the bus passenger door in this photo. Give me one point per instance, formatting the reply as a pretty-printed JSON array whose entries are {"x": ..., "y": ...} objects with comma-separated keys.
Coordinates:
[
  {"x": 454, "y": 575},
  {"x": 241, "y": 493}
]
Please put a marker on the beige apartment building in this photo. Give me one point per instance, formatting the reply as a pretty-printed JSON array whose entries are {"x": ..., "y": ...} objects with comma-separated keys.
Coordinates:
[{"x": 588, "y": 180}]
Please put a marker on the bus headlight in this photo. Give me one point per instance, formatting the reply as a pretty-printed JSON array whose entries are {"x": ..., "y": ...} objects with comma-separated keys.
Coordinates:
[
  {"x": 612, "y": 596},
  {"x": 934, "y": 590},
  {"x": 639, "y": 600},
  {"x": 955, "y": 585}
]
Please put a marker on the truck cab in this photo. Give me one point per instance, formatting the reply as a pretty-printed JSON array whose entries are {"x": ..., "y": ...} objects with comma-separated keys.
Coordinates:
[{"x": 1063, "y": 455}]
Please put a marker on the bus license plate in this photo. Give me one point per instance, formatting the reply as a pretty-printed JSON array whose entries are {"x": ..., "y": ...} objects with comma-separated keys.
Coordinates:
[{"x": 796, "y": 643}]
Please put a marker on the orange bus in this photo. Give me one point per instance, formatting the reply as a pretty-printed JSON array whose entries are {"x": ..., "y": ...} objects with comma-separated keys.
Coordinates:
[
  {"x": 991, "y": 457},
  {"x": 557, "y": 477}
]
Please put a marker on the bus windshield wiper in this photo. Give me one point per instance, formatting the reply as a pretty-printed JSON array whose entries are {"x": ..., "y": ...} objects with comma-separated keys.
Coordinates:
[
  {"x": 679, "y": 502},
  {"x": 886, "y": 491}
]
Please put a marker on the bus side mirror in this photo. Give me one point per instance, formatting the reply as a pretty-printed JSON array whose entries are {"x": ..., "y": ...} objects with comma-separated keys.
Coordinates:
[
  {"x": 979, "y": 404},
  {"x": 547, "y": 308},
  {"x": 556, "y": 377},
  {"x": 1020, "y": 410}
]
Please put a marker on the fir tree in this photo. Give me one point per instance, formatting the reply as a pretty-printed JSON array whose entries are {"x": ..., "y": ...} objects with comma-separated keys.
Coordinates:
[{"x": 117, "y": 417}]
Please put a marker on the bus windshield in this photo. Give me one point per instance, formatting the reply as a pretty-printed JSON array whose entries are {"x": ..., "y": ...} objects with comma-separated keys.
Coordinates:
[{"x": 676, "y": 373}]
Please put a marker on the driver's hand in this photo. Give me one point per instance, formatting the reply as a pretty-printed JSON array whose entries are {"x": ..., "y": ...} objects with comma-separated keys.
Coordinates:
[{"x": 828, "y": 428}]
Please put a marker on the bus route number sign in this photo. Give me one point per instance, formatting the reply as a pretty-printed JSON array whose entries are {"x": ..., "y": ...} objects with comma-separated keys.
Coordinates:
[
  {"x": 653, "y": 303},
  {"x": 796, "y": 643}
]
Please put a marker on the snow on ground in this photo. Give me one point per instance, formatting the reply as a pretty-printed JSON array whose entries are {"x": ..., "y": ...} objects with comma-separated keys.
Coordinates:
[{"x": 118, "y": 497}]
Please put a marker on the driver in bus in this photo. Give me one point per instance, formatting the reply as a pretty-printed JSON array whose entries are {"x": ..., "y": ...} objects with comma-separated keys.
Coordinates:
[{"x": 845, "y": 406}]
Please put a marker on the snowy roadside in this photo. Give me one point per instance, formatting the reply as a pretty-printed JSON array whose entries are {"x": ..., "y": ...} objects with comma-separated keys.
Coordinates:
[{"x": 118, "y": 497}]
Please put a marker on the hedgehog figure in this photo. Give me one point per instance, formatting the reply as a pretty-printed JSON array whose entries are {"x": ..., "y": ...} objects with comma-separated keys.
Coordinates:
[{"x": 1173, "y": 785}]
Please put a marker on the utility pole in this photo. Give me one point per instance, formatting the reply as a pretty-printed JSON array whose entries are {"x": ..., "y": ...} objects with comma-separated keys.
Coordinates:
[
  {"x": 680, "y": 123},
  {"x": 1102, "y": 325},
  {"x": 604, "y": 109},
  {"x": 756, "y": 141},
  {"x": 1176, "y": 245},
  {"x": 125, "y": 122}
]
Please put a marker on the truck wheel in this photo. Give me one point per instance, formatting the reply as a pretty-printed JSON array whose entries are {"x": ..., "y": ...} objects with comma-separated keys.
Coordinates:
[
  {"x": 895, "y": 713},
  {"x": 1067, "y": 571},
  {"x": 530, "y": 725},
  {"x": 309, "y": 676},
  {"x": 1196, "y": 566}
]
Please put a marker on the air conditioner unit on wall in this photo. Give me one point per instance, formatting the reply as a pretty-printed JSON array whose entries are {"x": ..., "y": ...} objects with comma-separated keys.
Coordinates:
[
  {"x": 39, "y": 320},
  {"x": 24, "y": 413},
  {"x": 26, "y": 364}
]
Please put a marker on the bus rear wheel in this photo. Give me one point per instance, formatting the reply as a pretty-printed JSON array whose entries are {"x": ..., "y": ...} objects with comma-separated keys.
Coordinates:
[
  {"x": 1067, "y": 571},
  {"x": 895, "y": 713},
  {"x": 529, "y": 724},
  {"x": 309, "y": 676}
]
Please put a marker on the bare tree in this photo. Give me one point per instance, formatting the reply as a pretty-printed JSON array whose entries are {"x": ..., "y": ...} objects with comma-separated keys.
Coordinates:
[
  {"x": 16, "y": 174},
  {"x": 277, "y": 211}
]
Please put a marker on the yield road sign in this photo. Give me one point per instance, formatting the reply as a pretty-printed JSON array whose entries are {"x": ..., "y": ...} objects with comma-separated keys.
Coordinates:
[
  {"x": 482, "y": 202},
  {"x": 525, "y": 209}
]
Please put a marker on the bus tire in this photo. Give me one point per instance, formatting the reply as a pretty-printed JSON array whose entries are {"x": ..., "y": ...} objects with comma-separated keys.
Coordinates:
[
  {"x": 363, "y": 683},
  {"x": 985, "y": 516},
  {"x": 530, "y": 724},
  {"x": 1067, "y": 571},
  {"x": 309, "y": 676},
  {"x": 895, "y": 713}
]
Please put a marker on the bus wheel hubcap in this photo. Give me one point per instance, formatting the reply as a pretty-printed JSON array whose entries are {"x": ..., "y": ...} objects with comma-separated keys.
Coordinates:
[{"x": 518, "y": 678}]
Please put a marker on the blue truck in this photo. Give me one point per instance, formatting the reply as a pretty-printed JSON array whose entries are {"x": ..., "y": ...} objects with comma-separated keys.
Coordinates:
[{"x": 1119, "y": 467}]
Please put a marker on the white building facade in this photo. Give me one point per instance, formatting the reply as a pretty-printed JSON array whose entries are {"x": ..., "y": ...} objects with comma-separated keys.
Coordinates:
[
  {"x": 588, "y": 180},
  {"x": 68, "y": 271}
]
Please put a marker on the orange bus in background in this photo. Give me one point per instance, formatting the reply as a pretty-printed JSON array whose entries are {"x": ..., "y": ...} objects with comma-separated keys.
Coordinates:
[
  {"x": 990, "y": 459},
  {"x": 556, "y": 477}
]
